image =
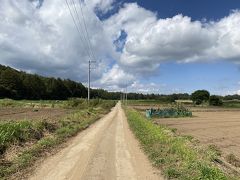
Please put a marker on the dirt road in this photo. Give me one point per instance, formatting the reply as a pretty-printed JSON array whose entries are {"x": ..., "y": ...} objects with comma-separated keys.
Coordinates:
[{"x": 107, "y": 151}]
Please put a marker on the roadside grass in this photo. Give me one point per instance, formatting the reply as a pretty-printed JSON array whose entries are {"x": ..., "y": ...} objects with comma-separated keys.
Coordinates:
[
  {"x": 175, "y": 155},
  {"x": 18, "y": 132},
  {"x": 231, "y": 104},
  {"x": 213, "y": 147},
  {"x": 232, "y": 159},
  {"x": 44, "y": 135}
]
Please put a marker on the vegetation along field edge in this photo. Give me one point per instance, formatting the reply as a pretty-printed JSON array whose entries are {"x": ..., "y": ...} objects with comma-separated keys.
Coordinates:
[
  {"x": 44, "y": 136},
  {"x": 176, "y": 156}
]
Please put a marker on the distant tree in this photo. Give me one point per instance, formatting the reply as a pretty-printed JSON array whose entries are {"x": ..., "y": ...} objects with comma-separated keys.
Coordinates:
[
  {"x": 232, "y": 97},
  {"x": 173, "y": 97},
  {"x": 199, "y": 96},
  {"x": 34, "y": 87},
  {"x": 10, "y": 81},
  {"x": 56, "y": 89},
  {"x": 215, "y": 101},
  {"x": 4, "y": 92},
  {"x": 75, "y": 89}
]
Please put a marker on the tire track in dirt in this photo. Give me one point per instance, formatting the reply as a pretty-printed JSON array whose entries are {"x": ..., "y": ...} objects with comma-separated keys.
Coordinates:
[{"x": 107, "y": 151}]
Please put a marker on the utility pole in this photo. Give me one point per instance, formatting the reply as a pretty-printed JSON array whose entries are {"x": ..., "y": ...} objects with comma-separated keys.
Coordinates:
[
  {"x": 89, "y": 72},
  {"x": 89, "y": 78},
  {"x": 126, "y": 96}
]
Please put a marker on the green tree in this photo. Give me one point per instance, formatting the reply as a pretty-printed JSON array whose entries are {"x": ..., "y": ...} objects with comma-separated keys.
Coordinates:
[
  {"x": 215, "y": 101},
  {"x": 199, "y": 96},
  {"x": 34, "y": 87},
  {"x": 10, "y": 81},
  {"x": 56, "y": 89},
  {"x": 4, "y": 92}
]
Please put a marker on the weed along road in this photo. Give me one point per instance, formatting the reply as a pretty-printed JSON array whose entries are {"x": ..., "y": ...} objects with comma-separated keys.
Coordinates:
[{"x": 107, "y": 151}]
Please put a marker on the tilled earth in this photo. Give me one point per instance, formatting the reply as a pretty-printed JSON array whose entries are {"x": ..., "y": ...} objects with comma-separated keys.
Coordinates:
[
  {"x": 218, "y": 127},
  {"x": 32, "y": 113}
]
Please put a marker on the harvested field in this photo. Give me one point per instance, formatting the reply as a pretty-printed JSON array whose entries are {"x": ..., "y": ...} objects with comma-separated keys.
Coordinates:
[
  {"x": 10, "y": 113},
  {"x": 221, "y": 128}
]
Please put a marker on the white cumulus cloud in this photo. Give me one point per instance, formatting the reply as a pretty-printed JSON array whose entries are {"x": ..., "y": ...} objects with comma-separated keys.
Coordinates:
[
  {"x": 40, "y": 37},
  {"x": 44, "y": 40},
  {"x": 117, "y": 78},
  {"x": 151, "y": 41}
]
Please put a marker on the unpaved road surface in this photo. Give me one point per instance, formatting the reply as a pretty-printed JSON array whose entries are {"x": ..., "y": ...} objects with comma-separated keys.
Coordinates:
[
  {"x": 105, "y": 151},
  {"x": 221, "y": 128}
]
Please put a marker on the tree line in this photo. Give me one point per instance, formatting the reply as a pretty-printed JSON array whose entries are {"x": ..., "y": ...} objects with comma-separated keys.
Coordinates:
[{"x": 21, "y": 85}]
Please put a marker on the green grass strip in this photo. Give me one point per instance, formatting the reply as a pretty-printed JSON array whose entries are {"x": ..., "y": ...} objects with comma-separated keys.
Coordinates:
[{"x": 173, "y": 154}]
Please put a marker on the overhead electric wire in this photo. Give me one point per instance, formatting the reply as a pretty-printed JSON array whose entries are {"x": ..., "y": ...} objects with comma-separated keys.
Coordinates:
[
  {"x": 87, "y": 39},
  {"x": 98, "y": 20},
  {"x": 82, "y": 28},
  {"x": 85, "y": 26},
  {"x": 75, "y": 23}
]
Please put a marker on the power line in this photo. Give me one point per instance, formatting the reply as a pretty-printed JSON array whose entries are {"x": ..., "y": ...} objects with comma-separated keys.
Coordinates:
[
  {"x": 75, "y": 23},
  {"x": 89, "y": 47},
  {"x": 85, "y": 26},
  {"x": 82, "y": 28},
  {"x": 97, "y": 20}
]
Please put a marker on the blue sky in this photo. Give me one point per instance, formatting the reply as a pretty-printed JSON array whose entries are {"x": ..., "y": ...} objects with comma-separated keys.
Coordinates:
[
  {"x": 217, "y": 77},
  {"x": 155, "y": 46},
  {"x": 197, "y": 10}
]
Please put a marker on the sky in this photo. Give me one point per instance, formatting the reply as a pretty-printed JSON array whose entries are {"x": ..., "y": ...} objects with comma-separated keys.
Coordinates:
[{"x": 163, "y": 47}]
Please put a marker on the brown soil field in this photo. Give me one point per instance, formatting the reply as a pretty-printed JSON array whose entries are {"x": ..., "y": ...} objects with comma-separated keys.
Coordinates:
[
  {"x": 221, "y": 128},
  {"x": 32, "y": 114}
]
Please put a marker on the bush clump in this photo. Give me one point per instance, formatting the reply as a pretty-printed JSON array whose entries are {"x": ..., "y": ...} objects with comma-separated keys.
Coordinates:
[
  {"x": 215, "y": 101},
  {"x": 200, "y": 96}
]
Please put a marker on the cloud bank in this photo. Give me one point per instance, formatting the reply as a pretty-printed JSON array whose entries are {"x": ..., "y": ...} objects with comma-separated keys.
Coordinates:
[
  {"x": 152, "y": 41},
  {"x": 44, "y": 40},
  {"x": 40, "y": 37}
]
